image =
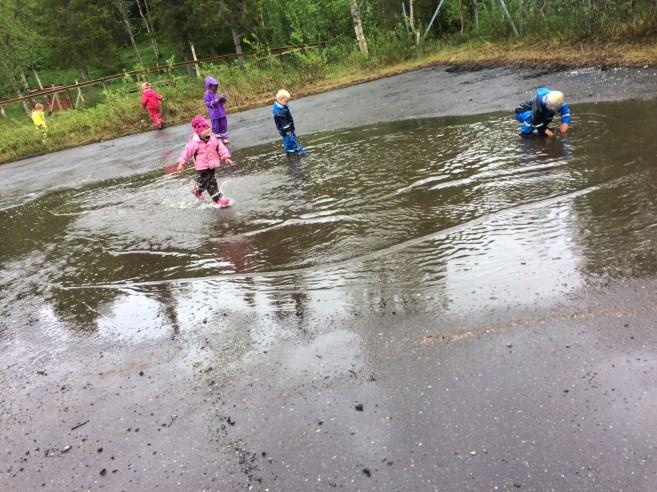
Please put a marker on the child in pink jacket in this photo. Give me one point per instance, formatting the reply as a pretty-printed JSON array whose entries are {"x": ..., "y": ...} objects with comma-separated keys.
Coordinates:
[
  {"x": 207, "y": 152},
  {"x": 151, "y": 100}
]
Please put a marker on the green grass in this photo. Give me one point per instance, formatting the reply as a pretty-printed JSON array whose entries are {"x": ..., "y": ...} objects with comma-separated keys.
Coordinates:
[{"x": 116, "y": 111}]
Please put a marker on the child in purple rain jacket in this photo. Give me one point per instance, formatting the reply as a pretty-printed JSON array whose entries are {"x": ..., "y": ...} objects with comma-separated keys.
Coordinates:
[{"x": 216, "y": 111}]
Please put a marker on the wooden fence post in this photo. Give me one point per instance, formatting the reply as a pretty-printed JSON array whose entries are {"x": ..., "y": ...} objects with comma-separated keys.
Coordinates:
[
  {"x": 55, "y": 99},
  {"x": 70, "y": 99},
  {"x": 80, "y": 96},
  {"x": 198, "y": 72}
]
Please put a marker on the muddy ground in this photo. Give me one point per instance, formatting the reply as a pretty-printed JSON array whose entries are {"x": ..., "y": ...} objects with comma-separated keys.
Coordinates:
[{"x": 508, "y": 396}]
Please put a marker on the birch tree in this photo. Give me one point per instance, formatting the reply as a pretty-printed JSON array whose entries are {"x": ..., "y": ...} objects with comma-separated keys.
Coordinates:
[
  {"x": 122, "y": 9},
  {"x": 16, "y": 42},
  {"x": 145, "y": 13},
  {"x": 358, "y": 26}
]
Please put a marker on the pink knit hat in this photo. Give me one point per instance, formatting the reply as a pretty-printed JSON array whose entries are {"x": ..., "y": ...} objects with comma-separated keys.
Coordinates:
[{"x": 199, "y": 124}]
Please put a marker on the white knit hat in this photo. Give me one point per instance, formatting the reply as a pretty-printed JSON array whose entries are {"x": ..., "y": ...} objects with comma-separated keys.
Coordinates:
[{"x": 554, "y": 100}]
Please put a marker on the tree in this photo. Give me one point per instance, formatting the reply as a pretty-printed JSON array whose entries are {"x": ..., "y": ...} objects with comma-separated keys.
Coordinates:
[
  {"x": 178, "y": 20},
  {"x": 358, "y": 26},
  {"x": 411, "y": 21},
  {"x": 145, "y": 14},
  {"x": 235, "y": 13},
  {"x": 122, "y": 9},
  {"x": 18, "y": 45},
  {"x": 79, "y": 34}
]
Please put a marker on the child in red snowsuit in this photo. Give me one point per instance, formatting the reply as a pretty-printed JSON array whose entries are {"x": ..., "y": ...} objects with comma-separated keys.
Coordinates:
[{"x": 151, "y": 100}]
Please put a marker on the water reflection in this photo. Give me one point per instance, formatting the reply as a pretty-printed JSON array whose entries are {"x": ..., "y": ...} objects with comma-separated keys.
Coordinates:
[{"x": 425, "y": 215}]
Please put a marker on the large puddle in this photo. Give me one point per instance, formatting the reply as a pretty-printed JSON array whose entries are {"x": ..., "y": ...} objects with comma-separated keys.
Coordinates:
[{"x": 430, "y": 215}]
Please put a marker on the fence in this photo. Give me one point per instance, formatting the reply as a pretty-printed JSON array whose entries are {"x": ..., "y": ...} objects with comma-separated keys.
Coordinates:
[{"x": 52, "y": 93}]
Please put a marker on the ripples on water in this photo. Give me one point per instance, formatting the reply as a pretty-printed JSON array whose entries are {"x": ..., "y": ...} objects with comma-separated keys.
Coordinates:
[{"x": 458, "y": 212}]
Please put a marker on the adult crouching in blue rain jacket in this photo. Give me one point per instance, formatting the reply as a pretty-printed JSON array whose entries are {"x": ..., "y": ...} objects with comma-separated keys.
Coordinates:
[
  {"x": 537, "y": 113},
  {"x": 285, "y": 123}
]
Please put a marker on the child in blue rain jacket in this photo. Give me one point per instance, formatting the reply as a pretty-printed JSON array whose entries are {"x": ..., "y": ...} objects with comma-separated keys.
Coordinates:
[
  {"x": 537, "y": 113},
  {"x": 285, "y": 123}
]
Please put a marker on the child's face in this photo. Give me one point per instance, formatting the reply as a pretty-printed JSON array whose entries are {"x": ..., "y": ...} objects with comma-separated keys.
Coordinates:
[
  {"x": 205, "y": 134},
  {"x": 214, "y": 88},
  {"x": 284, "y": 100}
]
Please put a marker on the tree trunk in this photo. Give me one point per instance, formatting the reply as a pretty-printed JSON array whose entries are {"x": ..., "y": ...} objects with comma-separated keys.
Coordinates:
[
  {"x": 508, "y": 16},
  {"x": 235, "y": 18},
  {"x": 125, "y": 20},
  {"x": 476, "y": 14},
  {"x": 187, "y": 56},
  {"x": 149, "y": 30},
  {"x": 238, "y": 46},
  {"x": 461, "y": 16},
  {"x": 26, "y": 108},
  {"x": 408, "y": 29},
  {"x": 358, "y": 26},
  {"x": 522, "y": 18},
  {"x": 27, "y": 89},
  {"x": 196, "y": 67},
  {"x": 36, "y": 76},
  {"x": 433, "y": 17},
  {"x": 128, "y": 29},
  {"x": 411, "y": 20}
]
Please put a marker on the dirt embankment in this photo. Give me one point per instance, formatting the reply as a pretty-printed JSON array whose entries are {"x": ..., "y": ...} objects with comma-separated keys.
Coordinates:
[{"x": 472, "y": 57}]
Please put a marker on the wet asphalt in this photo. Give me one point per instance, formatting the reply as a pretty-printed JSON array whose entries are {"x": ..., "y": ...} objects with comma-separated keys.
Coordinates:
[{"x": 550, "y": 396}]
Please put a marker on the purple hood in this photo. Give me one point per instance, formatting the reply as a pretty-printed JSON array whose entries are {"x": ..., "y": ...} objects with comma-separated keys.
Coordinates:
[
  {"x": 213, "y": 100},
  {"x": 211, "y": 81}
]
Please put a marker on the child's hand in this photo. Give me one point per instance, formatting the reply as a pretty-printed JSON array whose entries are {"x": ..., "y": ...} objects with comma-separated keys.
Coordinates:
[
  {"x": 180, "y": 167},
  {"x": 228, "y": 161},
  {"x": 549, "y": 133},
  {"x": 564, "y": 128}
]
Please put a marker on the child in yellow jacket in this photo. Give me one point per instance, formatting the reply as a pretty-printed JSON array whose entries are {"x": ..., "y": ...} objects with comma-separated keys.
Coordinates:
[{"x": 39, "y": 117}]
